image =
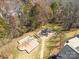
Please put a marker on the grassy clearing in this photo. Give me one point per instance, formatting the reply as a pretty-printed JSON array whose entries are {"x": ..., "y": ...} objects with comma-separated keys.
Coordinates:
[
  {"x": 52, "y": 26},
  {"x": 46, "y": 52},
  {"x": 15, "y": 53},
  {"x": 33, "y": 55},
  {"x": 54, "y": 43},
  {"x": 51, "y": 46},
  {"x": 7, "y": 51}
]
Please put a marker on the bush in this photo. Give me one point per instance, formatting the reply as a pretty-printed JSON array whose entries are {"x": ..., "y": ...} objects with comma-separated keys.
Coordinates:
[{"x": 4, "y": 28}]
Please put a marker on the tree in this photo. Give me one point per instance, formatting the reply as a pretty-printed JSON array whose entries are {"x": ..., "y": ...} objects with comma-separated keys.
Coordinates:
[
  {"x": 34, "y": 11},
  {"x": 67, "y": 16},
  {"x": 54, "y": 7},
  {"x": 32, "y": 24}
]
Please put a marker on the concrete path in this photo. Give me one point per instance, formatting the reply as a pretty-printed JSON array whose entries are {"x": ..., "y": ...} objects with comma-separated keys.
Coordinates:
[{"x": 42, "y": 49}]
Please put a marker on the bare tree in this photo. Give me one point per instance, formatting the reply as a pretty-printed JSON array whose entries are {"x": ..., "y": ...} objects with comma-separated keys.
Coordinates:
[{"x": 67, "y": 15}]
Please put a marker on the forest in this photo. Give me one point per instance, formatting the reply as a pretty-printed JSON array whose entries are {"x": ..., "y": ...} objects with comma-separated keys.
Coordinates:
[{"x": 26, "y": 16}]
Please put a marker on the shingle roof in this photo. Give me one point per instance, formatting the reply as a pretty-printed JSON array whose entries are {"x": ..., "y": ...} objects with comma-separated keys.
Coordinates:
[
  {"x": 68, "y": 53},
  {"x": 77, "y": 35}
]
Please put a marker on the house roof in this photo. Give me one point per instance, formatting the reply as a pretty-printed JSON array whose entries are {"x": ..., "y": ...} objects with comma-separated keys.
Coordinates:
[
  {"x": 77, "y": 36},
  {"x": 68, "y": 53},
  {"x": 74, "y": 43}
]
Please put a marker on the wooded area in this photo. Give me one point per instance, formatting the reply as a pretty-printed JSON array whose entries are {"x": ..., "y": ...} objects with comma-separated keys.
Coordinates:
[{"x": 26, "y": 16}]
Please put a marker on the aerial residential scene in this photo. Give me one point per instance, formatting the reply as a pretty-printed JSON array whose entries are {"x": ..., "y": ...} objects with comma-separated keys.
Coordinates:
[{"x": 39, "y": 29}]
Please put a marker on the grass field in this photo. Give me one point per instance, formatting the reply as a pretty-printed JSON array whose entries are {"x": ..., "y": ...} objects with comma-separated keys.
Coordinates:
[{"x": 49, "y": 49}]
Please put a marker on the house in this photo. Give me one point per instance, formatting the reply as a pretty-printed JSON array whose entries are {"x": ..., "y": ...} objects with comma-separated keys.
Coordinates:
[
  {"x": 70, "y": 50},
  {"x": 27, "y": 44}
]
